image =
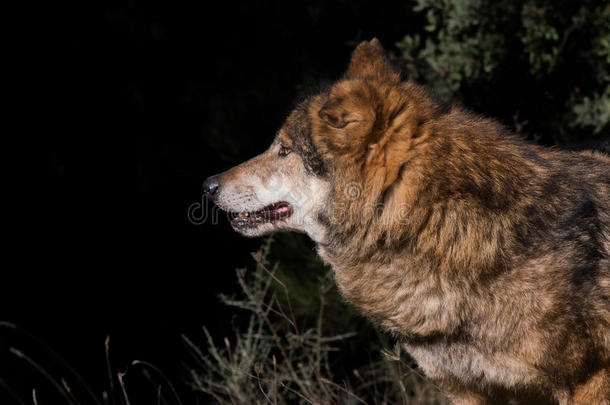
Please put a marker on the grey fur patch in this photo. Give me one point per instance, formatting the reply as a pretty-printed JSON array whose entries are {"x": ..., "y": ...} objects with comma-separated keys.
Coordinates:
[{"x": 298, "y": 128}]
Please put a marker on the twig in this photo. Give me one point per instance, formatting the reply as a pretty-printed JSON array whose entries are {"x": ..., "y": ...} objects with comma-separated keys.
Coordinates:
[
  {"x": 109, "y": 368},
  {"x": 277, "y": 339},
  {"x": 68, "y": 390},
  {"x": 277, "y": 280},
  {"x": 161, "y": 374},
  {"x": 260, "y": 387},
  {"x": 150, "y": 380},
  {"x": 42, "y": 371},
  {"x": 566, "y": 35},
  {"x": 304, "y": 398},
  {"x": 122, "y": 383},
  {"x": 348, "y": 392},
  {"x": 56, "y": 356}
]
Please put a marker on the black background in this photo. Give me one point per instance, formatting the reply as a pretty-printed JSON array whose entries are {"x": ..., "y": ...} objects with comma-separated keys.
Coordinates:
[{"x": 124, "y": 109}]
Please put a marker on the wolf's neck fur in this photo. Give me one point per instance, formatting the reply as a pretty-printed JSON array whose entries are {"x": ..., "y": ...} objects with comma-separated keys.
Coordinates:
[{"x": 402, "y": 253}]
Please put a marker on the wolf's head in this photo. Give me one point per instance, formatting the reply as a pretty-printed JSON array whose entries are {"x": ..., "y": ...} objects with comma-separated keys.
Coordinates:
[{"x": 337, "y": 151}]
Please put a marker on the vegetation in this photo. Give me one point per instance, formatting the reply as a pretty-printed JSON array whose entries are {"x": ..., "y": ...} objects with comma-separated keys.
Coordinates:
[
  {"x": 554, "y": 54},
  {"x": 279, "y": 357}
]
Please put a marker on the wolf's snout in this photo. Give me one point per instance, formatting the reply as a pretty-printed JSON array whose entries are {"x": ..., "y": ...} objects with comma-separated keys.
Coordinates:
[{"x": 211, "y": 185}]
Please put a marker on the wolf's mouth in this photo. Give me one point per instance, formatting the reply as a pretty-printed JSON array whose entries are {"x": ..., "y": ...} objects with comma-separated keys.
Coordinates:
[{"x": 270, "y": 213}]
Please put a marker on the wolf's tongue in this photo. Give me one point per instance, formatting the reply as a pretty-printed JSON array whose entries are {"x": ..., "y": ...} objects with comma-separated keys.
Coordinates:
[
  {"x": 284, "y": 209},
  {"x": 275, "y": 210},
  {"x": 270, "y": 213}
]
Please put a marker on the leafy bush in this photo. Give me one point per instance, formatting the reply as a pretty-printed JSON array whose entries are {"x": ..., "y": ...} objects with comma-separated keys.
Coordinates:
[{"x": 554, "y": 54}]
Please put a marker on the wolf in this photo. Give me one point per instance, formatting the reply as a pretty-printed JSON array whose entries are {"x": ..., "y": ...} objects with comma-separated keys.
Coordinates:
[{"x": 486, "y": 256}]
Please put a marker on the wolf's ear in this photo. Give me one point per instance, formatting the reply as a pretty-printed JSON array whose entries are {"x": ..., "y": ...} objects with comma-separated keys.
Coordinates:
[
  {"x": 369, "y": 60},
  {"x": 350, "y": 111},
  {"x": 339, "y": 112},
  {"x": 348, "y": 103}
]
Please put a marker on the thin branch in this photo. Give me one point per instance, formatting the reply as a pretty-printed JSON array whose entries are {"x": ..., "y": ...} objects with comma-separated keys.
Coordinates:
[
  {"x": 42, "y": 371},
  {"x": 348, "y": 392},
  {"x": 277, "y": 339},
  {"x": 280, "y": 282},
  {"x": 260, "y": 387},
  {"x": 56, "y": 356},
  {"x": 122, "y": 383},
  {"x": 109, "y": 369},
  {"x": 68, "y": 390},
  {"x": 304, "y": 398},
  {"x": 161, "y": 374}
]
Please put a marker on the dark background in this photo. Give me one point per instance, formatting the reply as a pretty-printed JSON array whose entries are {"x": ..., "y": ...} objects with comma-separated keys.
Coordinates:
[{"x": 127, "y": 108}]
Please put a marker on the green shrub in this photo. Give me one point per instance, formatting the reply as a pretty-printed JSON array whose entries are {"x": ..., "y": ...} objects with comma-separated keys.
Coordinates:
[{"x": 555, "y": 54}]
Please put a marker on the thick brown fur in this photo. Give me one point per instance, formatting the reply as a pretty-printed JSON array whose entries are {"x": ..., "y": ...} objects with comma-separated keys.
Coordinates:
[{"x": 488, "y": 256}]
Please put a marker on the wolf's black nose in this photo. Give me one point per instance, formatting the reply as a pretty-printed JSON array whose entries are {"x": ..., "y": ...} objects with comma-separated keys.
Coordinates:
[{"x": 211, "y": 186}]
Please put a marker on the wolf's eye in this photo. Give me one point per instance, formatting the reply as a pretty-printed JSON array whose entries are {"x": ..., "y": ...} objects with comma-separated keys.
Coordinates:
[{"x": 284, "y": 151}]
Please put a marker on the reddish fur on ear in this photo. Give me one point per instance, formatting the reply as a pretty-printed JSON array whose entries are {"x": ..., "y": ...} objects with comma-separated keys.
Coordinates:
[
  {"x": 337, "y": 113},
  {"x": 369, "y": 61},
  {"x": 350, "y": 114},
  {"x": 352, "y": 104}
]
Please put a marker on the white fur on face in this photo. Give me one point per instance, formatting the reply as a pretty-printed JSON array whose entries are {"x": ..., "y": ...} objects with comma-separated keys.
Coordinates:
[{"x": 267, "y": 179}]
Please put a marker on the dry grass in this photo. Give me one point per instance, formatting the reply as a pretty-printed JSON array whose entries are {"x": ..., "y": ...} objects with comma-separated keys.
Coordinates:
[
  {"x": 53, "y": 380},
  {"x": 274, "y": 357},
  {"x": 275, "y": 360}
]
